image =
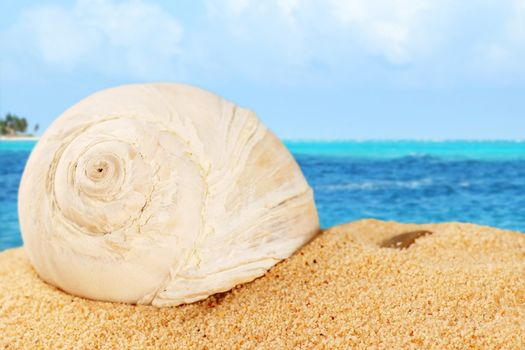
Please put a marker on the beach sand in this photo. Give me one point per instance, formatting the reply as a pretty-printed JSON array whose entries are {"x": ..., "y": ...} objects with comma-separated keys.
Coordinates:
[
  {"x": 19, "y": 138},
  {"x": 461, "y": 287}
]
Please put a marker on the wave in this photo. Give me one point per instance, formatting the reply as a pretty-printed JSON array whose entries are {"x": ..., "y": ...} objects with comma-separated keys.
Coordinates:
[{"x": 379, "y": 185}]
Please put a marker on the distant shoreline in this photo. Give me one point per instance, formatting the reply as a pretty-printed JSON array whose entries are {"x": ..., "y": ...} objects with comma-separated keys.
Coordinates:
[{"x": 19, "y": 138}]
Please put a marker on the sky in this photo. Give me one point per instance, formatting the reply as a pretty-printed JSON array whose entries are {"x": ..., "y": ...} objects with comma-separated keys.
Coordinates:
[{"x": 332, "y": 69}]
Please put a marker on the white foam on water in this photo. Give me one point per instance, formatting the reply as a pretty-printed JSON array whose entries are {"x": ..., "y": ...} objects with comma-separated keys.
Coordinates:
[{"x": 379, "y": 184}]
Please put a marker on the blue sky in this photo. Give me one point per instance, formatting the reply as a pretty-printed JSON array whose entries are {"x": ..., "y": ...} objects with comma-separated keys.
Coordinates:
[{"x": 366, "y": 69}]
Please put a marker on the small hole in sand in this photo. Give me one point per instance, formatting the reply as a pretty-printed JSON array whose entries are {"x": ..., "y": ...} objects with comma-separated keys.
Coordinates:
[{"x": 404, "y": 240}]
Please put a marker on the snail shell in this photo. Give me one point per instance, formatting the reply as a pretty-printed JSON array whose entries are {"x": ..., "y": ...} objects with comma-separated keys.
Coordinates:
[{"x": 160, "y": 194}]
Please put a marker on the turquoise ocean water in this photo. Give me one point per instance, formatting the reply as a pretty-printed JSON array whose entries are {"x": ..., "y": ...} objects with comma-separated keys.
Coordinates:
[{"x": 409, "y": 181}]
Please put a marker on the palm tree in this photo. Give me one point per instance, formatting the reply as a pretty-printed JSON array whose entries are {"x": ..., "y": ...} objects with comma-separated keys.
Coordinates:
[
  {"x": 12, "y": 124},
  {"x": 21, "y": 125}
]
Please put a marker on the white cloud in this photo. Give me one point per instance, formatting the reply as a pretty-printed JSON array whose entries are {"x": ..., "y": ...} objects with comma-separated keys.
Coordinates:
[
  {"x": 288, "y": 6},
  {"x": 502, "y": 54},
  {"x": 398, "y": 30},
  {"x": 132, "y": 36},
  {"x": 407, "y": 42},
  {"x": 411, "y": 42},
  {"x": 392, "y": 28},
  {"x": 516, "y": 24}
]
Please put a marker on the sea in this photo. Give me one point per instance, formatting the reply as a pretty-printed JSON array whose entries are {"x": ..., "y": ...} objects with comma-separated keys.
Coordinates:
[{"x": 480, "y": 182}]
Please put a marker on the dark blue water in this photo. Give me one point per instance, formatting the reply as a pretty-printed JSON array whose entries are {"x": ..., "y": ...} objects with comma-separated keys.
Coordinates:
[
  {"x": 418, "y": 189},
  {"x": 480, "y": 182}
]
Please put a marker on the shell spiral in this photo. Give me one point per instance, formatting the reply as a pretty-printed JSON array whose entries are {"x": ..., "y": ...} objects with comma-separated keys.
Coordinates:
[{"x": 160, "y": 194}]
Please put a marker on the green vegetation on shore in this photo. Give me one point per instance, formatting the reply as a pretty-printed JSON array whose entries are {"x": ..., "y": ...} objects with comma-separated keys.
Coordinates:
[{"x": 13, "y": 125}]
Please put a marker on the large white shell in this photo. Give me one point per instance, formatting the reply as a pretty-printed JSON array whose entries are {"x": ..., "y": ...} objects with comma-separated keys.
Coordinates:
[{"x": 160, "y": 194}]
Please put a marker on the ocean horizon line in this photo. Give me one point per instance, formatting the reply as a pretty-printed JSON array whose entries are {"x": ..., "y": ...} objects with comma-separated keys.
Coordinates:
[
  {"x": 431, "y": 140},
  {"x": 339, "y": 140}
]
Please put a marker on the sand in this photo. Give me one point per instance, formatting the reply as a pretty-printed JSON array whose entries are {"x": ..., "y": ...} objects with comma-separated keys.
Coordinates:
[
  {"x": 19, "y": 138},
  {"x": 461, "y": 287}
]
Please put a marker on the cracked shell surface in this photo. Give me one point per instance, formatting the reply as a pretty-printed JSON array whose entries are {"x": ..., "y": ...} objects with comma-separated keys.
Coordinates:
[{"x": 160, "y": 194}]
